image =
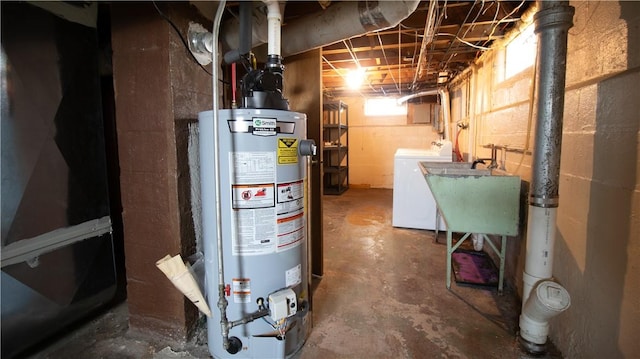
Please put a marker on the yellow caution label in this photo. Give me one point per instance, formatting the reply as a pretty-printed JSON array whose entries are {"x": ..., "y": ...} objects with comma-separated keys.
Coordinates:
[{"x": 287, "y": 151}]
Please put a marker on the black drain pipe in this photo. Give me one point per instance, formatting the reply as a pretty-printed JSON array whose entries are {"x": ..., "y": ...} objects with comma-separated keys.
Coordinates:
[{"x": 542, "y": 298}]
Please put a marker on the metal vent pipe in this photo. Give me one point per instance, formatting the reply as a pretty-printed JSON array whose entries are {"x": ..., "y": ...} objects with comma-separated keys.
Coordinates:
[
  {"x": 552, "y": 23},
  {"x": 339, "y": 21}
]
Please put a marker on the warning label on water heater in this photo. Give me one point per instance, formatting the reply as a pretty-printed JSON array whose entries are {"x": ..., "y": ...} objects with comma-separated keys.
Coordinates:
[
  {"x": 241, "y": 290},
  {"x": 267, "y": 217},
  {"x": 291, "y": 219},
  {"x": 287, "y": 151},
  {"x": 253, "y": 194}
]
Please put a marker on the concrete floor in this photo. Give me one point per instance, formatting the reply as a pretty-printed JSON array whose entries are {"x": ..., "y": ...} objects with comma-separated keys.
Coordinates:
[{"x": 382, "y": 295}]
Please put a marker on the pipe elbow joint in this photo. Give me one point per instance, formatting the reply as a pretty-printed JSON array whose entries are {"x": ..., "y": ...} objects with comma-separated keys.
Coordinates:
[{"x": 547, "y": 300}]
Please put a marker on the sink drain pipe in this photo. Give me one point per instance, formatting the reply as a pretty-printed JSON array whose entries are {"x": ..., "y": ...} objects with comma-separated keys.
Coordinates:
[{"x": 542, "y": 298}]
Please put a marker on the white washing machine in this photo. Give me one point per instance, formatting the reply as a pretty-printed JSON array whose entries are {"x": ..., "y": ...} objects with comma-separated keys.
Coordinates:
[{"x": 413, "y": 203}]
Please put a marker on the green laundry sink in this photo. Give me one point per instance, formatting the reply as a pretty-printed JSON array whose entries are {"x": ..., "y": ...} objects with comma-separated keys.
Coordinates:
[{"x": 474, "y": 200}]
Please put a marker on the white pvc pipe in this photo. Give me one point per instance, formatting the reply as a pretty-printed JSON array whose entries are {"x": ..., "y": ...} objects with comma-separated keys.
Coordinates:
[
  {"x": 274, "y": 24},
  {"x": 541, "y": 235},
  {"x": 444, "y": 100},
  {"x": 473, "y": 88},
  {"x": 546, "y": 301}
]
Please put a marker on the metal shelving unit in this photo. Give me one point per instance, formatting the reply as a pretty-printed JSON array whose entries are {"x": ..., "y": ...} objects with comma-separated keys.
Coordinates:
[{"x": 335, "y": 149}]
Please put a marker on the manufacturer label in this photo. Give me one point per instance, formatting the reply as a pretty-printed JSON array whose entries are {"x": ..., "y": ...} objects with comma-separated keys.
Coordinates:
[{"x": 264, "y": 126}]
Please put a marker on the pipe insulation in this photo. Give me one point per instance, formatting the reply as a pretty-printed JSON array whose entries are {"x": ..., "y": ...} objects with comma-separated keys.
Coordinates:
[
  {"x": 552, "y": 23},
  {"x": 245, "y": 28},
  {"x": 341, "y": 20}
]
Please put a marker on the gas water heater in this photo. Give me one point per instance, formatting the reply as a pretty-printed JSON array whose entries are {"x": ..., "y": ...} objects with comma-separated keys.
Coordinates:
[
  {"x": 253, "y": 173},
  {"x": 263, "y": 212}
]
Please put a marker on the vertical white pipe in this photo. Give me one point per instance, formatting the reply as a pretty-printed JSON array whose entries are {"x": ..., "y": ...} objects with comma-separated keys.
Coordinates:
[
  {"x": 274, "y": 23},
  {"x": 444, "y": 100},
  {"x": 541, "y": 235},
  {"x": 472, "y": 111}
]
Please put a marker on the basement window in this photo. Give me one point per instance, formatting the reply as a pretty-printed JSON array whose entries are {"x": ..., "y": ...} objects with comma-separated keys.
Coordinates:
[
  {"x": 521, "y": 52},
  {"x": 384, "y": 106}
]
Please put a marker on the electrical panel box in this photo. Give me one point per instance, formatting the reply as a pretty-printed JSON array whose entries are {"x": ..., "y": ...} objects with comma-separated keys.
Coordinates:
[{"x": 282, "y": 304}]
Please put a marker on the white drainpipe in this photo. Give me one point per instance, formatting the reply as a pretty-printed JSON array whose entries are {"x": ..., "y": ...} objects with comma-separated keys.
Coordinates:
[
  {"x": 444, "y": 102},
  {"x": 274, "y": 23},
  {"x": 542, "y": 298}
]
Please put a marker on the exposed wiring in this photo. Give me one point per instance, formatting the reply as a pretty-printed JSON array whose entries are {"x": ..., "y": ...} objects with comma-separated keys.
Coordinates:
[
  {"x": 384, "y": 54},
  {"x": 333, "y": 67},
  {"x": 353, "y": 55},
  {"x": 506, "y": 16},
  {"x": 281, "y": 327},
  {"x": 440, "y": 15},
  {"x": 473, "y": 22},
  {"x": 184, "y": 42},
  {"x": 483, "y": 48},
  {"x": 339, "y": 73},
  {"x": 457, "y": 33},
  {"x": 428, "y": 34},
  {"x": 268, "y": 322}
]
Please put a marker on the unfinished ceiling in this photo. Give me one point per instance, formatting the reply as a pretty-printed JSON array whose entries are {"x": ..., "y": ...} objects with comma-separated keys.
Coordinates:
[
  {"x": 402, "y": 60},
  {"x": 438, "y": 40}
]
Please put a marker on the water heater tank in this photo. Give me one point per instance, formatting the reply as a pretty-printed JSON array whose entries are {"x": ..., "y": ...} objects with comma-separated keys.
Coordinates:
[{"x": 263, "y": 224}]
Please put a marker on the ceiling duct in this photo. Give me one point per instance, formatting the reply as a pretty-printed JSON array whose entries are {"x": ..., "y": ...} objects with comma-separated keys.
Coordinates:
[{"x": 338, "y": 22}]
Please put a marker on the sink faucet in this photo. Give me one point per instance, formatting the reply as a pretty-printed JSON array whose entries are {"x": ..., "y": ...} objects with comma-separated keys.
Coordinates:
[{"x": 493, "y": 164}]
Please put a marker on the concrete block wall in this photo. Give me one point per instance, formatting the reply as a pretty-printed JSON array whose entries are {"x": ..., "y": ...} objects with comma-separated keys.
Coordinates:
[
  {"x": 598, "y": 227},
  {"x": 159, "y": 91},
  {"x": 599, "y": 223},
  {"x": 373, "y": 141}
]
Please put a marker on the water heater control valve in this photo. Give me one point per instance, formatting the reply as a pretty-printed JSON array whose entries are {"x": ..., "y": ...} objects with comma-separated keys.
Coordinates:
[{"x": 282, "y": 304}]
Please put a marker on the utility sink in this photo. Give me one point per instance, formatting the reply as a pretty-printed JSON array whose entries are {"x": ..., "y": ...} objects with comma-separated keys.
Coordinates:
[{"x": 474, "y": 200}]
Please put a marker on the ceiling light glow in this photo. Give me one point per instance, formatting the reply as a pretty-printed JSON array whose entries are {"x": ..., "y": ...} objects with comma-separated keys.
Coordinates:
[{"x": 355, "y": 78}]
